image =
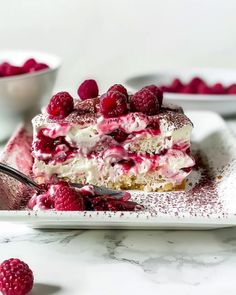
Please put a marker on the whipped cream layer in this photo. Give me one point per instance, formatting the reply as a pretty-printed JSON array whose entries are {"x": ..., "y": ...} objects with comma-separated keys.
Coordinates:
[
  {"x": 96, "y": 170},
  {"x": 91, "y": 153}
]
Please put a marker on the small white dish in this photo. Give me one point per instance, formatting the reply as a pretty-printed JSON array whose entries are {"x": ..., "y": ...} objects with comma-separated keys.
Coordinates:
[
  {"x": 23, "y": 95},
  {"x": 208, "y": 202},
  {"x": 222, "y": 104}
]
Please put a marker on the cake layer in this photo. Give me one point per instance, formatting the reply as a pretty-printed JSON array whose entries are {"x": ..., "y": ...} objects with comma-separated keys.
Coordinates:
[{"x": 114, "y": 171}]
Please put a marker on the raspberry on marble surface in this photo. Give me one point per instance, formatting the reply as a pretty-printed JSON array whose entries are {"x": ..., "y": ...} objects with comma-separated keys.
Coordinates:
[{"x": 16, "y": 278}]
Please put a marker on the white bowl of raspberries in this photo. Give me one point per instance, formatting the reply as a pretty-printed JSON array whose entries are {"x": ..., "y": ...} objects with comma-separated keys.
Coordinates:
[
  {"x": 26, "y": 80},
  {"x": 194, "y": 89}
]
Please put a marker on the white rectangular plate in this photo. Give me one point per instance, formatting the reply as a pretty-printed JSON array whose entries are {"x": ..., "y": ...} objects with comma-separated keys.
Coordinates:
[{"x": 208, "y": 202}]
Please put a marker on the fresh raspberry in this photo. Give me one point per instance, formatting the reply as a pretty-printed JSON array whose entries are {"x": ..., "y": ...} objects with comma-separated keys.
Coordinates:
[
  {"x": 119, "y": 135},
  {"x": 176, "y": 85},
  {"x": 88, "y": 89},
  {"x": 113, "y": 104},
  {"x": 156, "y": 91},
  {"x": 16, "y": 278},
  {"x": 67, "y": 199},
  {"x": 188, "y": 89},
  {"x": 195, "y": 83},
  {"x": 145, "y": 101},
  {"x": 8, "y": 70},
  {"x": 29, "y": 64},
  {"x": 120, "y": 88},
  {"x": 231, "y": 89},
  {"x": 204, "y": 89},
  {"x": 39, "y": 67},
  {"x": 165, "y": 88},
  {"x": 218, "y": 88},
  {"x": 60, "y": 105}
]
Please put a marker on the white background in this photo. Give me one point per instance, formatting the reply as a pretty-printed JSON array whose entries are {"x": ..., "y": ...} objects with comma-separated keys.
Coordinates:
[{"x": 111, "y": 40}]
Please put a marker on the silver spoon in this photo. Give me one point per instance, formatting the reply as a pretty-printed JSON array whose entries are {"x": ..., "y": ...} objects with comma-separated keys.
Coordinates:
[{"x": 12, "y": 172}]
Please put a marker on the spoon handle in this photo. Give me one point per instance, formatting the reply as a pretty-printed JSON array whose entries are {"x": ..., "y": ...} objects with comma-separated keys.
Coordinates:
[{"x": 19, "y": 176}]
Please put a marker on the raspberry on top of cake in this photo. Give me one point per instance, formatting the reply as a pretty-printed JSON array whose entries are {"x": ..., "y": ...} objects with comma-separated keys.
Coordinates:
[{"x": 117, "y": 139}]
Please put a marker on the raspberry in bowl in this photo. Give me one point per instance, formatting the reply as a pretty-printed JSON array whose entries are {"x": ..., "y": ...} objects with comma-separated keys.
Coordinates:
[
  {"x": 194, "y": 89},
  {"x": 26, "y": 80}
]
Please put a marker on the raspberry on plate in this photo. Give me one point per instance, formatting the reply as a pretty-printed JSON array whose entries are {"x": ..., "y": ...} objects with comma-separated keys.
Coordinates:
[
  {"x": 218, "y": 88},
  {"x": 146, "y": 102},
  {"x": 67, "y": 199},
  {"x": 113, "y": 104},
  {"x": 188, "y": 89},
  {"x": 204, "y": 89},
  {"x": 60, "y": 105},
  {"x": 231, "y": 89},
  {"x": 195, "y": 83},
  {"x": 176, "y": 85},
  {"x": 120, "y": 88},
  {"x": 88, "y": 89},
  {"x": 156, "y": 91},
  {"x": 16, "y": 278}
]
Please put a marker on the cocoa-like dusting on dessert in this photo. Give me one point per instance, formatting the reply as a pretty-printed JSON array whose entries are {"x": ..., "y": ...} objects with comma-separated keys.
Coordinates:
[
  {"x": 83, "y": 120},
  {"x": 86, "y": 113},
  {"x": 172, "y": 114},
  {"x": 172, "y": 107},
  {"x": 201, "y": 200},
  {"x": 87, "y": 106},
  {"x": 177, "y": 120}
]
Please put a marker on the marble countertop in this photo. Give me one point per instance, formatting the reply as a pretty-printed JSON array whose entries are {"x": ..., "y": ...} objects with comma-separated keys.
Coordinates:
[
  {"x": 120, "y": 262},
  {"x": 114, "y": 262}
]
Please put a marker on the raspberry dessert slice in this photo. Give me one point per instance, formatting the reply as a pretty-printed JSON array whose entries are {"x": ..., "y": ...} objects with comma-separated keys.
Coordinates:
[{"x": 134, "y": 142}]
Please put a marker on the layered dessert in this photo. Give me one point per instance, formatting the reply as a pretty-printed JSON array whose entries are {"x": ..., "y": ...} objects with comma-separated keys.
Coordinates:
[{"x": 116, "y": 140}]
